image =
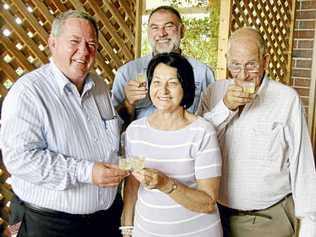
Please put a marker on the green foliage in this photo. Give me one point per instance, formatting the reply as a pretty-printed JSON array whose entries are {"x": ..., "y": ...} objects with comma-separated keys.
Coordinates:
[
  {"x": 200, "y": 39},
  {"x": 193, "y": 3}
]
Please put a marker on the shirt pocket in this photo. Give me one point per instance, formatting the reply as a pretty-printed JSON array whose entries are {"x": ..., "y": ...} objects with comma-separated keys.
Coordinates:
[
  {"x": 268, "y": 140},
  {"x": 113, "y": 130}
]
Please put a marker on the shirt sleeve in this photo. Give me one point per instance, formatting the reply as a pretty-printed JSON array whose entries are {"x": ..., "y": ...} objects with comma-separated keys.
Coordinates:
[
  {"x": 219, "y": 115},
  {"x": 308, "y": 226},
  {"x": 25, "y": 150},
  {"x": 210, "y": 76},
  {"x": 208, "y": 161},
  {"x": 118, "y": 94},
  {"x": 302, "y": 165},
  {"x": 127, "y": 150},
  {"x": 204, "y": 105}
]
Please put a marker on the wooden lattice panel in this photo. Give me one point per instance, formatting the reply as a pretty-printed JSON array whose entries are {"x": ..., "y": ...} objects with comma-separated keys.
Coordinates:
[
  {"x": 25, "y": 26},
  {"x": 274, "y": 19},
  {"x": 6, "y": 194}
]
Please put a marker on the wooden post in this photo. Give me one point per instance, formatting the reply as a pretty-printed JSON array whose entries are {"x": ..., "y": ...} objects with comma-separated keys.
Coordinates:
[
  {"x": 138, "y": 28},
  {"x": 224, "y": 28},
  {"x": 288, "y": 78},
  {"x": 312, "y": 99}
]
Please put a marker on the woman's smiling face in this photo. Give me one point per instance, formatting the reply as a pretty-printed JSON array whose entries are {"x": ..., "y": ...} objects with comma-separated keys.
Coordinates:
[{"x": 166, "y": 92}]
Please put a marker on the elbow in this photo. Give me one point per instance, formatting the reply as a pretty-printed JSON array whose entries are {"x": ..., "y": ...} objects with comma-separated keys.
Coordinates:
[
  {"x": 11, "y": 164},
  {"x": 206, "y": 207},
  {"x": 209, "y": 207}
]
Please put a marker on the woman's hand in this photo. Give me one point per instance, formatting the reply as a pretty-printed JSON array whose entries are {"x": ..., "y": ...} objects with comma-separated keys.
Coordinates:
[
  {"x": 153, "y": 179},
  {"x": 201, "y": 199}
]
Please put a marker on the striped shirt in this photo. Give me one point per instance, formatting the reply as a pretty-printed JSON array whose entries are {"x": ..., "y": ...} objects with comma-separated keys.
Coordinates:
[
  {"x": 51, "y": 136},
  {"x": 187, "y": 154},
  {"x": 267, "y": 152},
  {"x": 203, "y": 76}
]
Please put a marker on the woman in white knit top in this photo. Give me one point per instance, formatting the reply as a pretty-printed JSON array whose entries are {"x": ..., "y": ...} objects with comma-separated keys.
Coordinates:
[{"x": 175, "y": 195}]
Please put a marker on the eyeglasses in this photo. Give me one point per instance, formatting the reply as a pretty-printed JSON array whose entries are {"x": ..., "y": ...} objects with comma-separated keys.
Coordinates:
[{"x": 248, "y": 67}]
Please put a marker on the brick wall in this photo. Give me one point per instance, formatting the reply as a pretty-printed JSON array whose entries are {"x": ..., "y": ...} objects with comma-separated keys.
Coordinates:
[{"x": 303, "y": 48}]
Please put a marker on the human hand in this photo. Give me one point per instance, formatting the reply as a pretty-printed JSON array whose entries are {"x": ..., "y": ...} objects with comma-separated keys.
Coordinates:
[
  {"x": 134, "y": 91},
  {"x": 235, "y": 97},
  {"x": 6, "y": 233},
  {"x": 153, "y": 179},
  {"x": 107, "y": 175}
]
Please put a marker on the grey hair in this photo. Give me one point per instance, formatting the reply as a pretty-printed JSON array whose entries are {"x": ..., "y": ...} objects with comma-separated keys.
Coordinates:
[
  {"x": 168, "y": 9},
  {"x": 59, "y": 21},
  {"x": 258, "y": 38}
]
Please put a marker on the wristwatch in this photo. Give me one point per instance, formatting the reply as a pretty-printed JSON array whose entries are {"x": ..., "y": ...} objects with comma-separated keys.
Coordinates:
[{"x": 174, "y": 186}]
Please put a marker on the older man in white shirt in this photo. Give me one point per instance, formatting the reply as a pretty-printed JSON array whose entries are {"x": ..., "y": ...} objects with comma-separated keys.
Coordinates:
[{"x": 269, "y": 179}]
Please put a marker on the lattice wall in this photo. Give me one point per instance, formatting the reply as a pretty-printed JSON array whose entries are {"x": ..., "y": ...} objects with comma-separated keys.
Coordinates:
[
  {"x": 25, "y": 26},
  {"x": 274, "y": 19}
]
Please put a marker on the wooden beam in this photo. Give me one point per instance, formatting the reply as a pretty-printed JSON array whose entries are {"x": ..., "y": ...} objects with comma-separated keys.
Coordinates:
[
  {"x": 43, "y": 10},
  {"x": 22, "y": 36},
  {"x": 31, "y": 19},
  {"x": 60, "y": 7},
  {"x": 99, "y": 12},
  {"x": 107, "y": 69},
  {"x": 312, "y": 99},
  {"x": 128, "y": 11},
  {"x": 291, "y": 40},
  {"x": 77, "y": 5},
  {"x": 109, "y": 50},
  {"x": 117, "y": 16},
  {"x": 3, "y": 91},
  {"x": 187, "y": 10},
  {"x": 18, "y": 55},
  {"x": 223, "y": 34},
  {"x": 8, "y": 71},
  {"x": 138, "y": 28}
]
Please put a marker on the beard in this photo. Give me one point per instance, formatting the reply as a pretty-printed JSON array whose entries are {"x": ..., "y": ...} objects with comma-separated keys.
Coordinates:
[{"x": 172, "y": 46}]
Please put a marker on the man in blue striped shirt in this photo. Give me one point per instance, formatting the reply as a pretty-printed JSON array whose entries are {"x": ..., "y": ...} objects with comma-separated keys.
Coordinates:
[{"x": 60, "y": 140}]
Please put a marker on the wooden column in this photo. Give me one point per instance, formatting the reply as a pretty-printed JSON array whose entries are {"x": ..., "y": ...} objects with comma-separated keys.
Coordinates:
[
  {"x": 138, "y": 28},
  {"x": 224, "y": 28},
  {"x": 288, "y": 78},
  {"x": 312, "y": 99}
]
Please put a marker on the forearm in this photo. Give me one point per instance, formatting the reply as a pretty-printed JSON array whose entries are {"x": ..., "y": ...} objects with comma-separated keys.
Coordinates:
[
  {"x": 27, "y": 152},
  {"x": 193, "y": 199},
  {"x": 130, "y": 198},
  {"x": 126, "y": 112},
  {"x": 220, "y": 115},
  {"x": 302, "y": 164},
  {"x": 48, "y": 169}
]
